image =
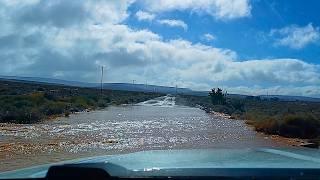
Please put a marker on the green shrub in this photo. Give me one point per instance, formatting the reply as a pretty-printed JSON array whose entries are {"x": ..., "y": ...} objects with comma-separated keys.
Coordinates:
[
  {"x": 222, "y": 109},
  {"x": 272, "y": 116},
  {"x": 23, "y": 103},
  {"x": 299, "y": 126},
  {"x": 54, "y": 108},
  {"x": 238, "y": 105},
  {"x": 102, "y": 103},
  {"x": 79, "y": 102},
  {"x": 37, "y": 98},
  {"x": 49, "y": 96},
  {"x": 269, "y": 126},
  {"x": 21, "y": 116}
]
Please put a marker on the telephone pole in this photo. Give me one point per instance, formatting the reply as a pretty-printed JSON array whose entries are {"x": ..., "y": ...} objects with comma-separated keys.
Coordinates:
[
  {"x": 101, "y": 88},
  {"x": 176, "y": 89}
]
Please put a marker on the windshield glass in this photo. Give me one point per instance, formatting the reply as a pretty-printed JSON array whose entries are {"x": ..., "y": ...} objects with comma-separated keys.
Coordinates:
[{"x": 89, "y": 78}]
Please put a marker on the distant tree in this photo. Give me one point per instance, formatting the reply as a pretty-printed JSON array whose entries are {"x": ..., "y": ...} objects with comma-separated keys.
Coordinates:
[{"x": 217, "y": 96}]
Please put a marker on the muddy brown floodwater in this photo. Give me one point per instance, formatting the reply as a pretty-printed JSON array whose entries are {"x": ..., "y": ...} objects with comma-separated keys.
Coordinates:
[{"x": 154, "y": 124}]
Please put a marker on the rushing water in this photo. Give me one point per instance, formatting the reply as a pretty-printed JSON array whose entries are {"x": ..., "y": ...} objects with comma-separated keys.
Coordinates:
[{"x": 154, "y": 124}]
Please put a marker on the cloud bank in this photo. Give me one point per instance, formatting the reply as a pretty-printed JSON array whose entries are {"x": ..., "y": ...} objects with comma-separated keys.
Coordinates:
[{"x": 35, "y": 42}]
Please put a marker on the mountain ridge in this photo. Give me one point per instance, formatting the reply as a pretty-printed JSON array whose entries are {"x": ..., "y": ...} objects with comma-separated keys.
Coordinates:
[{"x": 147, "y": 88}]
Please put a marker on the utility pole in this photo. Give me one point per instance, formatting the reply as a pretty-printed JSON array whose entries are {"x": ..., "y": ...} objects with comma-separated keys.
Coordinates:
[
  {"x": 133, "y": 81},
  {"x": 101, "y": 88},
  {"x": 176, "y": 89}
]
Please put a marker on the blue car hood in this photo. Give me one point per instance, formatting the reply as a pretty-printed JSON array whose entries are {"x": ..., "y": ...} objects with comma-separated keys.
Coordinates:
[{"x": 195, "y": 158}]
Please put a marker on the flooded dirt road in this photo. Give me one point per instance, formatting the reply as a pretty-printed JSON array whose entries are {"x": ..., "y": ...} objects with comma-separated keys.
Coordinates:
[{"x": 154, "y": 124}]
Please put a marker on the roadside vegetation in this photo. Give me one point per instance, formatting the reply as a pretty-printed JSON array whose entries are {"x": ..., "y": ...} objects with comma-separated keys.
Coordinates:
[
  {"x": 294, "y": 119},
  {"x": 23, "y": 102}
]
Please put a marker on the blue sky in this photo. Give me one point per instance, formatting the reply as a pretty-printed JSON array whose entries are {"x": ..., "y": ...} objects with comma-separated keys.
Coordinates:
[
  {"x": 247, "y": 36},
  {"x": 246, "y": 46}
]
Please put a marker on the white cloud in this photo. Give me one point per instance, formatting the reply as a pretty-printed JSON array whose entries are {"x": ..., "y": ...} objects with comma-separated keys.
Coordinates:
[
  {"x": 174, "y": 23},
  {"x": 113, "y": 11},
  {"x": 144, "y": 16},
  {"x": 296, "y": 37},
  {"x": 73, "y": 49},
  {"x": 208, "y": 37},
  {"x": 220, "y": 9},
  {"x": 18, "y": 2}
]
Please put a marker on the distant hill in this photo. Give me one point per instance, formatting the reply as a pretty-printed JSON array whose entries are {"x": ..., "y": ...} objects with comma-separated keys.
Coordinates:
[
  {"x": 291, "y": 98},
  {"x": 49, "y": 81},
  {"x": 112, "y": 86},
  {"x": 147, "y": 88}
]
